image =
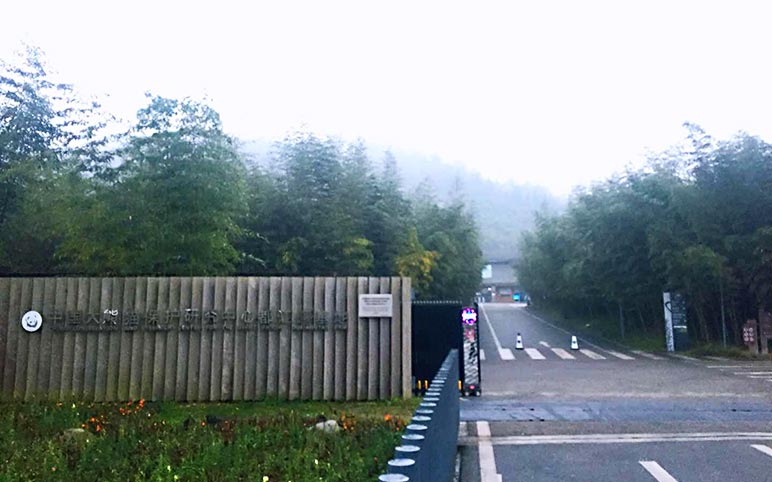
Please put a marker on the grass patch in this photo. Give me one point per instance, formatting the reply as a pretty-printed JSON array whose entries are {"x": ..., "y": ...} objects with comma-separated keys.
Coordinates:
[
  {"x": 735, "y": 352},
  {"x": 260, "y": 441}
]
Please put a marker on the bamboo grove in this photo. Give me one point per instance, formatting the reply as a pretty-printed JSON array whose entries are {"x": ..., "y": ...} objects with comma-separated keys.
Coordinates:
[
  {"x": 697, "y": 218},
  {"x": 171, "y": 194}
]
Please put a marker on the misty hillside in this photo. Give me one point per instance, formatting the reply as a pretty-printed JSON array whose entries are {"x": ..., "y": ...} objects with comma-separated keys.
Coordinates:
[{"x": 503, "y": 211}]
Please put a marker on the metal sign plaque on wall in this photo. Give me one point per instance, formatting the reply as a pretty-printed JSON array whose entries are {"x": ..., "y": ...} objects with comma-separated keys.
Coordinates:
[{"x": 375, "y": 306}]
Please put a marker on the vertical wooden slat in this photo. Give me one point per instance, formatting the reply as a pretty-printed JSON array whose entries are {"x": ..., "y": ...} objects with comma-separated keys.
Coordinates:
[
  {"x": 384, "y": 348},
  {"x": 285, "y": 338},
  {"x": 295, "y": 348},
  {"x": 306, "y": 340},
  {"x": 340, "y": 341},
  {"x": 228, "y": 343},
  {"x": 255, "y": 368},
  {"x": 217, "y": 348},
  {"x": 114, "y": 355},
  {"x": 328, "y": 341},
  {"x": 205, "y": 352},
  {"x": 363, "y": 343},
  {"x": 181, "y": 390},
  {"x": 89, "y": 368},
  {"x": 68, "y": 344},
  {"x": 22, "y": 341},
  {"x": 5, "y": 299},
  {"x": 46, "y": 338},
  {"x": 12, "y": 337},
  {"x": 137, "y": 339},
  {"x": 79, "y": 359},
  {"x": 33, "y": 341},
  {"x": 159, "y": 341},
  {"x": 259, "y": 304},
  {"x": 148, "y": 339},
  {"x": 407, "y": 349},
  {"x": 373, "y": 354},
  {"x": 173, "y": 339},
  {"x": 240, "y": 340},
  {"x": 103, "y": 340},
  {"x": 396, "y": 337},
  {"x": 317, "y": 364},
  {"x": 274, "y": 339},
  {"x": 199, "y": 369},
  {"x": 127, "y": 338},
  {"x": 57, "y": 340},
  {"x": 352, "y": 338},
  {"x": 194, "y": 340}
]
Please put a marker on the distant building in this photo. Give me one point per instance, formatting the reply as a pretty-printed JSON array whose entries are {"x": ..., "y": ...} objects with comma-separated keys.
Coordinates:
[{"x": 499, "y": 283}]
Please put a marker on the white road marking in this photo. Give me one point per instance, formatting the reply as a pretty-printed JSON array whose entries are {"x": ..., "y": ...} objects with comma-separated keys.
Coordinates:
[
  {"x": 488, "y": 472},
  {"x": 534, "y": 354},
  {"x": 627, "y": 438},
  {"x": 647, "y": 355},
  {"x": 592, "y": 354},
  {"x": 463, "y": 429},
  {"x": 717, "y": 358},
  {"x": 563, "y": 354},
  {"x": 769, "y": 374},
  {"x": 657, "y": 471},
  {"x": 504, "y": 353},
  {"x": 585, "y": 342},
  {"x": 761, "y": 377},
  {"x": 621, "y": 356},
  {"x": 482, "y": 354},
  {"x": 544, "y": 344},
  {"x": 732, "y": 366},
  {"x": 763, "y": 449},
  {"x": 683, "y": 357}
]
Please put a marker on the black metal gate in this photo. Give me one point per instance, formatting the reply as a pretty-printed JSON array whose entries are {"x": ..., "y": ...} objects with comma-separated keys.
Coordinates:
[{"x": 438, "y": 328}]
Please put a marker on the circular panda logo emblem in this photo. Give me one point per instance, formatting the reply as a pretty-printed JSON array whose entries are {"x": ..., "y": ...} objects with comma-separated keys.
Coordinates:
[{"x": 31, "y": 321}]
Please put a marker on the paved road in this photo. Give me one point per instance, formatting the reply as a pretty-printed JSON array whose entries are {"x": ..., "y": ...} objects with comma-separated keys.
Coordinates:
[{"x": 604, "y": 412}]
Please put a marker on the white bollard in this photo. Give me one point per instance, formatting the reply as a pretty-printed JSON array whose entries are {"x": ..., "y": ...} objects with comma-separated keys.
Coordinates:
[
  {"x": 519, "y": 342},
  {"x": 574, "y": 343}
]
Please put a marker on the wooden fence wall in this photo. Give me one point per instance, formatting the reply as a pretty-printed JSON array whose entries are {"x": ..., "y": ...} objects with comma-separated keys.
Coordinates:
[{"x": 203, "y": 339}]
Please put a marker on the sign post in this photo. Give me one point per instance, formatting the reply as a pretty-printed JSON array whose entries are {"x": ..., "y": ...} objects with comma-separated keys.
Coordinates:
[
  {"x": 676, "y": 330},
  {"x": 471, "y": 352}
]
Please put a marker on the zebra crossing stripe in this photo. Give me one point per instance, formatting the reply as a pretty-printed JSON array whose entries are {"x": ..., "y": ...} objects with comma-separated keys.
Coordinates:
[
  {"x": 534, "y": 354},
  {"x": 563, "y": 354},
  {"x": 621, "y": 356},
  {"x": 657, "y": 471},
  {"x": 506, "y": 354},
  {"x": 482, "y": 354},
  {"x": 647, "y": 355},
  {"x": 591, "y": 354},
  {"x": 763, "y": 449}
]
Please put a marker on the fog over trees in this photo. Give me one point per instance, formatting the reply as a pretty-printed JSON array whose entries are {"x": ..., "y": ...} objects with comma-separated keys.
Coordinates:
[
  {"x": 174, "y": 195},
  {"x": 696, "y": 219}
]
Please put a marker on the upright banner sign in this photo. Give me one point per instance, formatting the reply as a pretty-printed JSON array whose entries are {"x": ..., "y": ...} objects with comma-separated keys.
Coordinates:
[
  {"x": 471, "y": 359},
  {"x": 676, "y": 331}
]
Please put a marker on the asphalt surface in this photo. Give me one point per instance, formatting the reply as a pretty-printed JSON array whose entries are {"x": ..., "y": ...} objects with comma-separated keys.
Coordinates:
[{"x": 605, "y": 412}]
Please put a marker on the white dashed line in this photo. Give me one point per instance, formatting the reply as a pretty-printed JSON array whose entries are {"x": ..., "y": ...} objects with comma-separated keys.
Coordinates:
[
  {"x": 647, "y": 355},
  {"x": 544, "y": 344},
  {"x": 592, "y": 354},
  {"x": 488, "y": 472},
  {"x": 534, "y": 354},
  {"x": 563, "y": 354},
  {"x": 657, "y": 471},
  {"x": 621, "y": 356},
  {"x": 504, "y": 353},
  {"x": 482, "y": 354},
  {"x": 763, "y": 449}
]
